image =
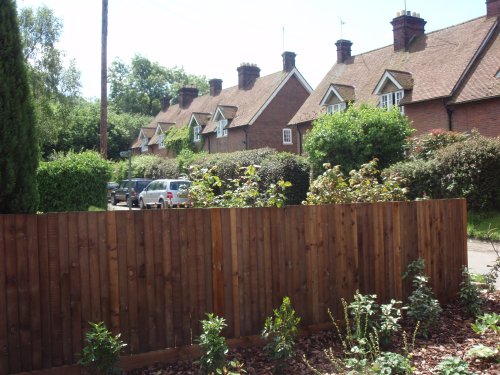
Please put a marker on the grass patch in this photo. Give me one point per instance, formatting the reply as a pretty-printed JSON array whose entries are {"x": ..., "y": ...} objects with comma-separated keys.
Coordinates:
[{"x": 479, "y": 223}]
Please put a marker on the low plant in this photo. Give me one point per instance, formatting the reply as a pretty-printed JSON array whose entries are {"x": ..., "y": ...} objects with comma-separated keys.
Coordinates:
[
  {"x": 453, "y": 366},
  {"x": 281, "y": 329},
  {"x": 422, "y": 306},
  {"x": 102, "y": 352},
  {"x": 487, "y": 322},
  {"x": 483, "y": 352},
  {"x": 213, "y": 345},
  {"x": 469, "y": 294},
  {"x": 389, "y": 363},
  {"x": 364, "y": 185}
]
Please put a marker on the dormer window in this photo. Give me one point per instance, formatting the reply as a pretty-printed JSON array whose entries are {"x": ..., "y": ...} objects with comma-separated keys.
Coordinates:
[
  {"x": 392, "y": 99},
  {"x": 221, "y": 128},
  {"x": 144, "y": 144},
  {"x": 197, "y": 133},
  {"x": 161, "y": 141},
  {"x": 334, "y": 108}
]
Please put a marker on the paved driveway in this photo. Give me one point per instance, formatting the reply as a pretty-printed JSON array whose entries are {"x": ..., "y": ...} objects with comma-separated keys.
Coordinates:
[{"x": 481, "y": 254}]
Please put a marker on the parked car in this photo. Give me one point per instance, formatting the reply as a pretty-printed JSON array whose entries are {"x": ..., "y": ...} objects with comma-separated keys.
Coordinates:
[
  {"x": 120, "y": 194},
  {"x": 111, "y": 186},
  {"x": 165, "y": 193}
]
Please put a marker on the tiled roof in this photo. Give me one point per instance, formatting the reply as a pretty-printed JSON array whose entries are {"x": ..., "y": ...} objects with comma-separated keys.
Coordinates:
[
  {"x": 247, "y": 102},
  {"x": 148, "y": 131},
  {"x": 436, "y": 62},
  {"x": 202, "y": 118},
  {"x": 404, "y": 79},
  {"x": 347, "y": 92},
  {"x": 482, "y": 82}
]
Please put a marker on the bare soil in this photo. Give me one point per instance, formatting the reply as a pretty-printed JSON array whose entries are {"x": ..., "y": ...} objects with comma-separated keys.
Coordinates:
[{"x": 452, "y": 336}]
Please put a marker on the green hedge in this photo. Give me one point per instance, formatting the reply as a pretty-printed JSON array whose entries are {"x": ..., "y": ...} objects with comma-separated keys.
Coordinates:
[
  {"x": 73, "y": 182},
  {"x": 146, "y": 166},
  {"x": 274, "y": 166},
  {"x": 469, "y": 169}
]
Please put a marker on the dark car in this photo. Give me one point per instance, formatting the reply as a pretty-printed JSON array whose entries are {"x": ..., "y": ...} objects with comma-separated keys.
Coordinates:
[
  {"x": 111, "y": 186},
  {"x": 120, "y": 194}
]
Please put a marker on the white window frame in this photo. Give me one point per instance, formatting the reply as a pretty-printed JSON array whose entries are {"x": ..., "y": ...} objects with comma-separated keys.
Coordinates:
[
  {"x": 161, "y": 141},
  {"x": 197, "y": 133},
  {"x": 334, "y": 108},
  {"x": 144, "y": 144},
  {"x": 392, "y": 99},
  {"x": 221, "y": 128},
  {"x": 287, "y": 136}
]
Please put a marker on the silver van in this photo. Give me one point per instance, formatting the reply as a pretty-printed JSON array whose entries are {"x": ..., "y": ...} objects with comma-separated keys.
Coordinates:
[{"x": 165, "y": 193}]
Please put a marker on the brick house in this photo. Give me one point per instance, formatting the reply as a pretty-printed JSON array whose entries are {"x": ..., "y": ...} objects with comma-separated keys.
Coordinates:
[
  {"x": 253, "y": 114},
  {"x": 448, "y": 79}
]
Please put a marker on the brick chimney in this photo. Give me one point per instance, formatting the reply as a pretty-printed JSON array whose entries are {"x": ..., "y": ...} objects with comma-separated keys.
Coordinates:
[
  {"x": 247, "y": 75},
  {"x": 215, "y": 86},
  {"x": 493, "y": 8},
  {"x": 343, "y": 50},
  {"x": 165, "y": 103},
  {"x": 186, "y": 96},
  {"x": 288, "y": 61},
  {"x": 406, "y": 27}
]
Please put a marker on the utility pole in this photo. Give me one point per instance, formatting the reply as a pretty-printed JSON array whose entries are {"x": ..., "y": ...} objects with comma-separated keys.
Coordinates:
[{"x": 104, "y": 82}]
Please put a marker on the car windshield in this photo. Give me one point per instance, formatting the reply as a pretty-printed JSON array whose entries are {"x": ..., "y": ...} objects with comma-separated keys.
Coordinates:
[{"x": 141, "y": 185}]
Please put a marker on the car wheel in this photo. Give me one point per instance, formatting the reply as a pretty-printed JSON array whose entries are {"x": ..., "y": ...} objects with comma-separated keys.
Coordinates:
[
  {"x": 113, "y": 200},
  {"x": 142, "y": 205}
]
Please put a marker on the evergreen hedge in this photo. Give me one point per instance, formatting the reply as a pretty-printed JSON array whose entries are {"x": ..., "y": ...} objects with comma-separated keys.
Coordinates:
[
  {"x": 73, "y": 182},
  {"x": 18, "y": 139},
  {"x": 146, "y": 166}
]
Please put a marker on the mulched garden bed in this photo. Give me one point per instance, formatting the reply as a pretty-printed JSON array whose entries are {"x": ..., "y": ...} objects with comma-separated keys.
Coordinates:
[{"x": 452, "y": 336}]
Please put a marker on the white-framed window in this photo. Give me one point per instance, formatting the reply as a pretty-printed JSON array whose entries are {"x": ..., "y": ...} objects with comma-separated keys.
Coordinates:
[
  {"x": 333, "y": 108},
  {"x": 161, "y": 141},
  {"x": 221, "y": 128},
  {"x": 144, "y": 144},
  {"x": 392, "y": 98},
  {"x": 287, "y": 136},
  {"x": 197, "y": 133}
]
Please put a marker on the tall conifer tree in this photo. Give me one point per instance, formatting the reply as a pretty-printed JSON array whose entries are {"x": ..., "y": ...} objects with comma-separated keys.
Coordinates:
[{"x": 19, "y": 151}]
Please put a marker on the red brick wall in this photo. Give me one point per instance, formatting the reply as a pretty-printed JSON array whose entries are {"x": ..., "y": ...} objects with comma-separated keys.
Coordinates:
[
  {"x": 483, "y": 115},
  {"x": 267, "y": 131},
  {"x": 428, "y": 115},
  {"x": 235, "y": 141}
]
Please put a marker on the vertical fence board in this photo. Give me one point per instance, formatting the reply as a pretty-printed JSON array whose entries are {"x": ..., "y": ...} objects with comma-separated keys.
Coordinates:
[
  {"x": 217, "y": 259},
  {"x": 176, "y": 279},
  {"x": 147, "y": 284},
  {"x": 235, "y": 272},
  {"x": 102, "y": 268},
  {"x": 159, "y": 283},
  {"x": 122, "y": 230},
  {"x": 254, "y": 272},
  {"x": 4, "y": 342},
  {"x": 113, "y": 272},
  {"x": 227, "y": 268},
  {"x": 93, "y": 258},
  {"x": 193, "y": 272},
  {"x": 75, "y": 285},
  {"x": 206, "y": 242},
  {"x": 166, "y": 228},
  {"x": 135, "y": 264},
  {"x": 64, "y": 269}
]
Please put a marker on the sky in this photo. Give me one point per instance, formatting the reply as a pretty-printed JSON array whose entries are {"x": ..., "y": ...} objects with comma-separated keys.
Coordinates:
[{"x": 213, "y": 37}]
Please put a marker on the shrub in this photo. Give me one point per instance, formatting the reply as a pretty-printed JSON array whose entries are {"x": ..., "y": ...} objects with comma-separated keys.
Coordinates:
[
  {"x": 422, "y": 306},
  {"x": 361, "y": 186},
  {"x": 102, "y": 352},
  {"x": 287, "y": 167},
  {"x": 453, "y": 366},
  {"x": 470, "y": 170},
  {"x": 213, "y": 345},
  {"x": 356, "y": 136},
  {"x": 146, "y": 166},
  {"x": 421, "y": 177},
  {"x": 281, "y": 330},
  {"x": 425, "y": 146},
  {"x": 469, "y": 294},
  {"x": 389, "y": 363},
  {"x": 73, "y": 182},
  {"x": 185, "y": 159}
]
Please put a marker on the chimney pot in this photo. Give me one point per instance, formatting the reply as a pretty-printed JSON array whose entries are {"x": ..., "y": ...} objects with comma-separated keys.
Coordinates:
[
  {"x": 165, "y": 103},
  {"x": 247, "y": 75},
  {"x": 406, "y": 28},
  {"x": 288, "y": 61},
  {"x": 492, "y": 8},
  {"x": 186, "y": 96},
  {"x": 215, "y": 86},
  {"x": 343, "y": 50}
]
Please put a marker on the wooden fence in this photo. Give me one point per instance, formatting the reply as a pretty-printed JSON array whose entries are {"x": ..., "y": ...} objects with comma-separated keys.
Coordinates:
[{"x": 152, "y": 275}]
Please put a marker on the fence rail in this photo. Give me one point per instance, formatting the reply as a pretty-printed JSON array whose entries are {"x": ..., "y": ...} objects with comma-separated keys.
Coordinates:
[{"x": 152, "y": 275}]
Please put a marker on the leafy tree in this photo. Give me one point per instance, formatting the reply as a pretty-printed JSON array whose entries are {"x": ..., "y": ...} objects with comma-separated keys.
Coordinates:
[
  {"x": 82, "y": 129},
  {"x": 18, "y": 142},
  {"x": 55, "y": 88},
  {"x": 356, "y": 136},
  {"x": 138, "y": 87}
]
